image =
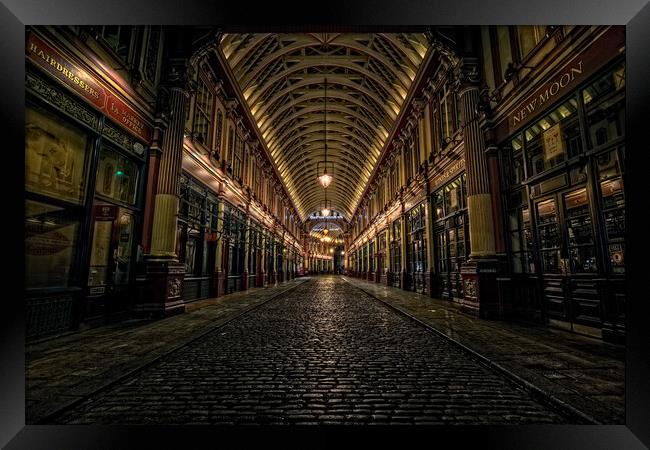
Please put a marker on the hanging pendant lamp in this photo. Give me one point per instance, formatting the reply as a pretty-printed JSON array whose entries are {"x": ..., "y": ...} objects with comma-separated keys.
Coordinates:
[{"x": 325, "y": 178}]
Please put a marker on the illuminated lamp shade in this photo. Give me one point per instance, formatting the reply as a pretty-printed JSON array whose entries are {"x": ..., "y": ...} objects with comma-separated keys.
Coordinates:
[
  {"x": 325, "y": 231},
  {"x": 325, "y": 179},
  {"x": 325, "y": 212},
  {"x": 331, "y": 250}
]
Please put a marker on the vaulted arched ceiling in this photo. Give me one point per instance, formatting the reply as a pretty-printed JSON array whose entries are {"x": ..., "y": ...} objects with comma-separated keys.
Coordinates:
[{"x": 283, "y": 78}]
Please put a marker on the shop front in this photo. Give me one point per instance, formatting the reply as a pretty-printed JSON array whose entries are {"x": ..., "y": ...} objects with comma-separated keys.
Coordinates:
[
  {"x": 416, "y": 247},
  {"x": 564, "y": 176},
  {"x": 395, "y": 268},
  {"x": 451, "y": 237},
  {"x": 85, "y": 169},
  {"x": 382, "y": 263},
  {"x": 197, "y": 238},
  {"x": 234, "y": 247}
]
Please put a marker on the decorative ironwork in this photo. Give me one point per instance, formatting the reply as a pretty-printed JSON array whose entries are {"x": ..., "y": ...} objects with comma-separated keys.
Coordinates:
[
  {"x": 114, "y": 134},
  {"x": 64, "y": 102}
]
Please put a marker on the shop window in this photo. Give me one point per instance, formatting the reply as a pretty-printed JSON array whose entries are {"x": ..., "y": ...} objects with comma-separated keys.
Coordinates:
[
  {"x": 549, "y": 236},
  {"x": 55, "y": 156},
  {"x": 582, "y": 257},
  {"x": 554, "y": 138},
  {"x": 438, "y": 205},
  {"x": 381, "y": 251},
  {"x": 450, "y": 235},
  {"x": 416, "y": 249},
  {"x": 192, "y": 222},
  {"x": 203, "y": 113},
  {"x": 50, "y": 244},
  {"x": 605, "y": 107},
  {"x": 453, "y": 196},
  {"x": 395, "y": 248},
  {"x": 514, "y": 162},
  {"x": 613, "y": 210},
  {"x": 521, "y": 242},
  {"x": 124, "y": 235},
  {"x": 191, "y": 245},
  {"x": 117, "y": 177}
]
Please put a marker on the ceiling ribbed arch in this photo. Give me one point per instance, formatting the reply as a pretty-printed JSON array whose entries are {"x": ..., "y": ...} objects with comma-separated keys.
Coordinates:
[{"x": 283, "y": 78}]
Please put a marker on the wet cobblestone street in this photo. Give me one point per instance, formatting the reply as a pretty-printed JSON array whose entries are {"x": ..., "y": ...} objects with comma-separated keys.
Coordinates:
[{"x": 325, "y": 353}]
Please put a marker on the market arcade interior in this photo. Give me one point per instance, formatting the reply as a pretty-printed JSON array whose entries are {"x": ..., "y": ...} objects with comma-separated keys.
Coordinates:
[{"x": 480, "y": 165}]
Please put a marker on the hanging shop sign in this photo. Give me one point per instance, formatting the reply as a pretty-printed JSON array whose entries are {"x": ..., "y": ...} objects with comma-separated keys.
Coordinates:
[
  {"x": 602, "y": 50},
  {"x": 553, "y": 142},
  {"x": 87, "y": 86}
]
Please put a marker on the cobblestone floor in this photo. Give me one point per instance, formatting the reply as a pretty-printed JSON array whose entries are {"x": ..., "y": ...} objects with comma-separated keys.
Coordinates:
[
  {"x": 65, "y": 369},
  {"x": 324, "y": 353},
  {"x": 581, "y": 371}
]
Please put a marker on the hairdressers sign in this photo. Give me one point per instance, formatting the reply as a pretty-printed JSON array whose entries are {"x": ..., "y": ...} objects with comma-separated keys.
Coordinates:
[{"x": 87, "y": 86}]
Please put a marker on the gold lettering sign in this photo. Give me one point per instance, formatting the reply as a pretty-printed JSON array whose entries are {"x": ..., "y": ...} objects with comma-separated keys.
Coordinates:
[
  {"x": 553, "y": 142},
  {"x": 448, "y": 173},
  {"x": 609, "y": 45},
  {"x": 547, "y": 93},
  {"x": 86, "y": 85}
]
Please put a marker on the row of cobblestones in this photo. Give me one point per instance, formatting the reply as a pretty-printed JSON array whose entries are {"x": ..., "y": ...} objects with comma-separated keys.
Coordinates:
[{"x": 326, "y": 353}]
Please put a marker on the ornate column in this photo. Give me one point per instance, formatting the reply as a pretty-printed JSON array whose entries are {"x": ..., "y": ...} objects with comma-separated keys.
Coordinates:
[
  {"x": 247, "y": 248},
  {"x": 273, "y": 272},
  {"x": 379, "y": 266},
  {"x": 430, "y": 274},
  {"x": 405, "y": 278},
  {"x": 389, "y": 237},
  {"x": 219, "y": 269},
  {"x": 479, "y": 272},
  {"x": 162, "y": 295}
]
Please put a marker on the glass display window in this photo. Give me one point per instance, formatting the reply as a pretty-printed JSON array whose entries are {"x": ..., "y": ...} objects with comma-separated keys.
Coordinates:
[
  {"x": 55, "y": 157},
  {"x": 124, "y": 236},
  {"x": 395, "y": 248},
  {"x": 613, "y": 209},
  {"x": 520, "y": 241},
  {"x": 554, "y": 138},
  {"x": 582, "y": 253},
  {"x": 549, "y": 236},
  {"x": 50, "y": 245},
  {"x": 416, "y": 246},
  {"x": 117, "y": 177},
  {"x": 514, "y": 166},
  {"x": 453, "y": 196}
]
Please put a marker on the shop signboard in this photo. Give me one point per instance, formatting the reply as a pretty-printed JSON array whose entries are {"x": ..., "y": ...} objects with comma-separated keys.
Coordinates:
[{"x": 86, "y": 85}]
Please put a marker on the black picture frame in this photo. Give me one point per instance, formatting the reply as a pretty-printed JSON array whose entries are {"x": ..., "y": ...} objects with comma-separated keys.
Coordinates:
[{"x": 328, "y": 16}]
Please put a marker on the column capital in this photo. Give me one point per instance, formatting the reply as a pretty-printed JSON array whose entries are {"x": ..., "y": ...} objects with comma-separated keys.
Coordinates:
[
  {"x": 180, "y": 76},
  {"x": 466, "y": 75}
]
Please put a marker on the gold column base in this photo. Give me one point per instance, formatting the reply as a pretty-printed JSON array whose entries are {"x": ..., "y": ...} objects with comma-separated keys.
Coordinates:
[
  {"x": 163, "y": 236},
  {"x": 481, "y": 226}
]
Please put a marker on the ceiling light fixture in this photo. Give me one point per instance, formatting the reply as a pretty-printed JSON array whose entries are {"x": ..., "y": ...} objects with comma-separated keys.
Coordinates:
[{"x": 325, "y": 178}]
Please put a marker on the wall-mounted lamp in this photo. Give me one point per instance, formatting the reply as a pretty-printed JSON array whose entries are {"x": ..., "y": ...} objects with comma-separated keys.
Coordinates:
[
  {"x": 512, "y": 70},
  {"x": 484, "y": 105}
]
